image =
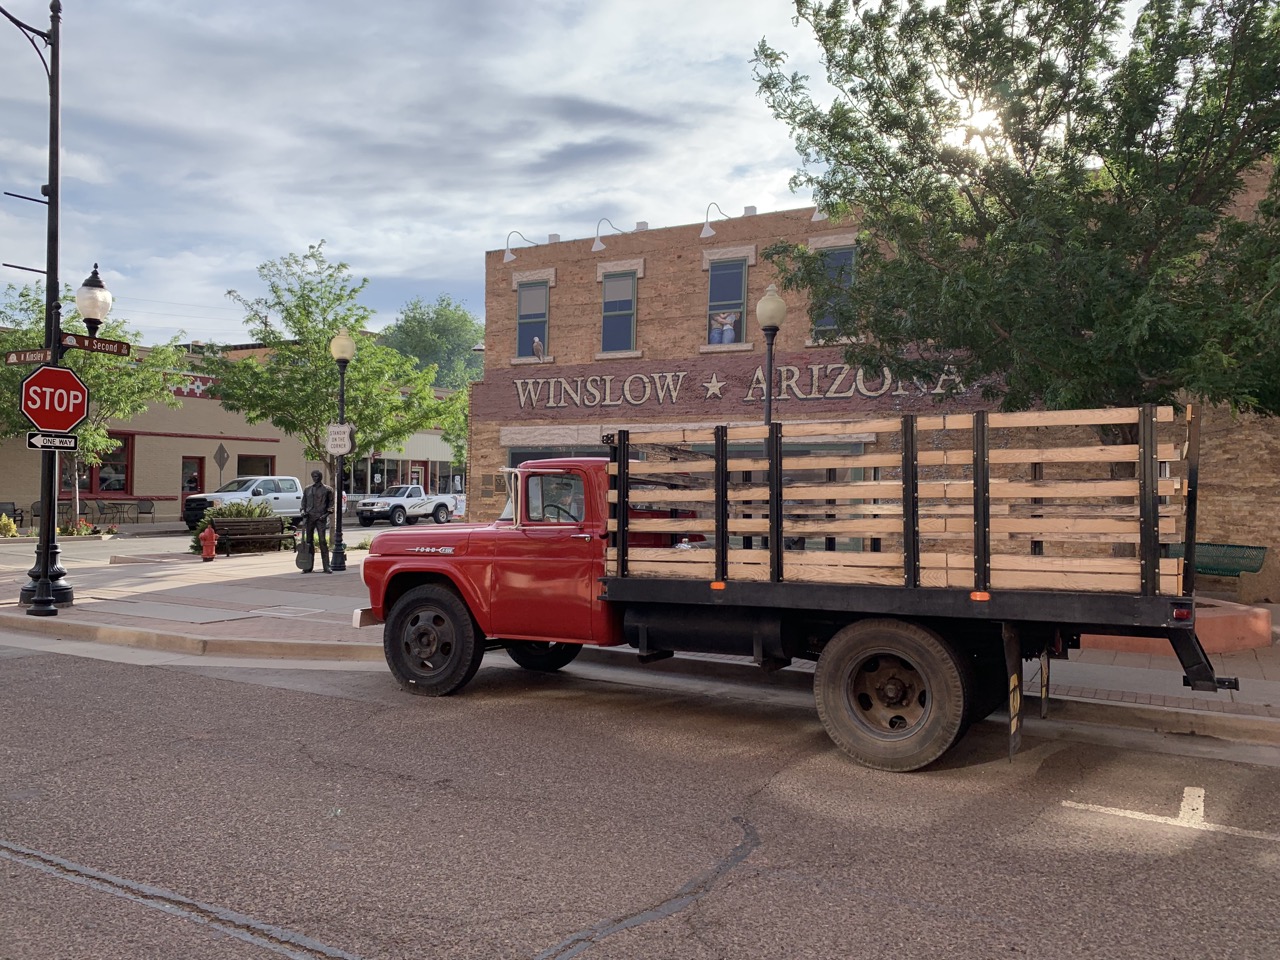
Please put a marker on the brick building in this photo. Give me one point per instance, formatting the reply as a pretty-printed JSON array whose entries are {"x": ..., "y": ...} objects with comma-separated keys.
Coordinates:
[{"x": 651, "y": 327}]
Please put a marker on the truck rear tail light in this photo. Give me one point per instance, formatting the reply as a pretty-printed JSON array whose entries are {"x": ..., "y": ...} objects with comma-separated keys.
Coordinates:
[{"x": 1182, "y": 613}]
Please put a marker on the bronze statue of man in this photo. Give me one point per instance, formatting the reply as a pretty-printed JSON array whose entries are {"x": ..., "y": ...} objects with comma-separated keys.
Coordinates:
[{"x": 317, "y": 507}]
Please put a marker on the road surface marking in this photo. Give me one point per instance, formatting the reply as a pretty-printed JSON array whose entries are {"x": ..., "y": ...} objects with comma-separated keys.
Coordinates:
[
  {"x": 1191, "y": 816},
  {"x": 277, "y": 939}
]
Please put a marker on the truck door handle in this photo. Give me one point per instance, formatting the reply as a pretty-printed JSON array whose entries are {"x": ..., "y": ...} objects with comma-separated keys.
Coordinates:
[{"x": 581, "y": 536}]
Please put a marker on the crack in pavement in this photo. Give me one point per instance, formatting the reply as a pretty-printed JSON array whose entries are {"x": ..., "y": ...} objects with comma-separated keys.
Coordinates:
[
  {"x": 276, "y": 939},
  {"x": 687, "y": 895}
]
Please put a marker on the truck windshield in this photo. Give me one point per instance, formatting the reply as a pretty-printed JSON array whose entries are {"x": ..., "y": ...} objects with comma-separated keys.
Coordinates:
[
  {"x": 397, "y": 492},
  {"x": 241, "y": 483},
  {"x": 509, "y": 511}
]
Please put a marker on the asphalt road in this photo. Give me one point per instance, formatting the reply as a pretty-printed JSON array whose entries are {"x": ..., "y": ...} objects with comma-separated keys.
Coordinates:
[{"x": 226, "y": 812}]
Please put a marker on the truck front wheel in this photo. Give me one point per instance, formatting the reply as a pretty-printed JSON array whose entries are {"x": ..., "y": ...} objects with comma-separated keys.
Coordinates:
[
  {"x": 891, "y": 694},
  {"x": 398, "y": 516},
  {"x": 430, "y": 642},
  {"x": 544, "y": 656}
]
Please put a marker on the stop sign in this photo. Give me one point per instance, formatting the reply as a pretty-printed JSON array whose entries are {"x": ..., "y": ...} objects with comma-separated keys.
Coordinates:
[{"x": 55, "y": 399}]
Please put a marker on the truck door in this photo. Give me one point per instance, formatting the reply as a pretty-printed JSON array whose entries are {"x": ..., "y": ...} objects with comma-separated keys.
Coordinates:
[{"x": 546, "y": 567}]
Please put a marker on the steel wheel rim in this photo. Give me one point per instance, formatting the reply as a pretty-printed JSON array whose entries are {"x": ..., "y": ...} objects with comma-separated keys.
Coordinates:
[
  {"x": 887, "y": 696},
  {"x": 428, "y": 642}
]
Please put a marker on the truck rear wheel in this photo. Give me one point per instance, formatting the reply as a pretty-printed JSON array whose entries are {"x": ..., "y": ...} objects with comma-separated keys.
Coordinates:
[
  {"x": 440, "y": 514},
  {"x": 430, "y": 642},
  {"x": 544, "y": 656},
  {"x": 891, "y": 694}
]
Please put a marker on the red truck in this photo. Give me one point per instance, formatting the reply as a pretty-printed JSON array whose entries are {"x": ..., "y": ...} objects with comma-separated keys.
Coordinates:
[{"x": 919, "y": 560}]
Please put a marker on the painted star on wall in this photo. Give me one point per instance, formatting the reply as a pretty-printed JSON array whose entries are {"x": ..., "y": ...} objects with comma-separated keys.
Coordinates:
[{"x": 713, "y": 387}]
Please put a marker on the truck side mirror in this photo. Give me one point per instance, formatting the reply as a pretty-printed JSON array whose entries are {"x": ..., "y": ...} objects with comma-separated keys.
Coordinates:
[{"x": 257, "y": 492}]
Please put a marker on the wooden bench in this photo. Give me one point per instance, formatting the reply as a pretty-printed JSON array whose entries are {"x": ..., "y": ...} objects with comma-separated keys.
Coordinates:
[
  {"x": 1224, "y": 559},
  {"x": 246, "y": 529}
]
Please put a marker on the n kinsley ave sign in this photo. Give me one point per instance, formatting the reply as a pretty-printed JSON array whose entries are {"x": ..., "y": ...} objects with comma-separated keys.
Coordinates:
[{"x": 54, "y": 399}]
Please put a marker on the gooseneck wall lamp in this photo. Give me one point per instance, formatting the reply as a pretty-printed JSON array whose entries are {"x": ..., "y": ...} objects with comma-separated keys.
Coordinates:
[
  {"x": 771, "y": 311},
  {"x": 48, "y": 588},
  {"x": 707, "y": 230},
  {"x": 508, "y": 256},
  {"x": 343, "y": 350},
  {"x": 599, "y": 244}
]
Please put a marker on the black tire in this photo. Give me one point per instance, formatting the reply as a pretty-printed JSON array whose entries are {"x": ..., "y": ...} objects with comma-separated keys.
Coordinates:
[
  {"x": 544, "y": 656},
  {"x": 366, "y": 521},
  {"x": 412, "y": 520},
  {"x": 398, "y": 516},
  {"x": 891, "y": 694},
  {"x": 430, "y": 642},
  {"x": 440, "y": 514}
]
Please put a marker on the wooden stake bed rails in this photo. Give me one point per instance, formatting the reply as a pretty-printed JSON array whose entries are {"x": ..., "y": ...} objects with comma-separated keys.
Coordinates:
[{"x": 975, "y": 501}]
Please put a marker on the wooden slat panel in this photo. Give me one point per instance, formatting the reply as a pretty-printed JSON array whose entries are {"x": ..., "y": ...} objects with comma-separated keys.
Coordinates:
[
  {"x": 749, "y": 571},
  {"x": 1119, "y": 453},
  {"x": 838, "y": 428},
  {"x": 688, "y": 571},
  {"x": 843, "y": 558},
  {"x": 669, "y": 496},
  {"x": 1090, "y": 582},
  {"x": 961, "y": 422},
  {"x": 1049, "y": 525},
  {"x": 864, "y": 461},
  {"x": 1071, "y": 418},
  {"x": 672, "y": 436},
  {"x": 646, "y": 468},
  {"x": 747, "y": 433},
  {"x": 870, "y": 528},
  {"x": 701, "y": 554},
  {"x": 806, "y": 573},
  {"x": 684, "y": 525}
]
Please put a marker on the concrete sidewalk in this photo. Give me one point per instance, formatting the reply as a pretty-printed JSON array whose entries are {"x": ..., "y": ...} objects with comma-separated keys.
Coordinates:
[{"x": 259, "y": 605}]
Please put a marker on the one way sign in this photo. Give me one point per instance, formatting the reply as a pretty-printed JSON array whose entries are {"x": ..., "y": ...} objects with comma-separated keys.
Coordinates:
[{"x": 52, "y": 441}]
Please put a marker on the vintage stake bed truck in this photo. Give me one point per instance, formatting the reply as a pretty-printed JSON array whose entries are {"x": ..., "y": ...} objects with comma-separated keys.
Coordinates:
[{"x": 918, "y": 559}]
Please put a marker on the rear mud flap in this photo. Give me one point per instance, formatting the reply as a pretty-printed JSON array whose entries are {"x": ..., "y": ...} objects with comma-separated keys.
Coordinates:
[{"x": 1013, "y": 670}]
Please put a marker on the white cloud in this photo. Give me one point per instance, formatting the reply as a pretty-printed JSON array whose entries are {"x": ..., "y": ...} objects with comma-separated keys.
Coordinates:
[{"x": 202, "y": 140}]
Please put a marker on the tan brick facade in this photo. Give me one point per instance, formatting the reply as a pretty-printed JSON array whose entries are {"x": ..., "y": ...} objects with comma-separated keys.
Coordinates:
[{"x": 673, "y": 375}]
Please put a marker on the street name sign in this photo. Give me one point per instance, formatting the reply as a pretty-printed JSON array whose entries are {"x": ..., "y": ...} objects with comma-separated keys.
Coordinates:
[
  {"x": 14, "y": 357},
  {"x": 118, "y": 348},
  {"x": 340, "y": 440},
  {"x": 54, "y": 399},
  {"x": 52, "y": 441}
]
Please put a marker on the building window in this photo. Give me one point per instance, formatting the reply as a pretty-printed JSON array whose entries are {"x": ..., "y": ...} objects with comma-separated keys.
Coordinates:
[
  {"x": 112, "y": 475},
  {"x": 726, "y": 300},
  {"x": 531, "y": 319},
  {"x": 618, "y": 322},
  {"x": 839, "y": 263}
]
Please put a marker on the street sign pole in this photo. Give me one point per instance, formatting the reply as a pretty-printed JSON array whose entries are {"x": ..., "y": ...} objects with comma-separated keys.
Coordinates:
[{"x": 48, "y": 588}]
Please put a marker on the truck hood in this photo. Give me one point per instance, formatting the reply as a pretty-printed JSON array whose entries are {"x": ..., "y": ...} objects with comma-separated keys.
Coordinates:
[{"x": 446, "y": 539}]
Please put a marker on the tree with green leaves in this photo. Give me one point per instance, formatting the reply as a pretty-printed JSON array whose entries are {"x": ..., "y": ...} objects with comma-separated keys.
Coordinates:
[
  {"x": 441, "y": 334},
  {"x": 293, "y": 382},
  {"x": 120, "y": 388},
  {"x": 1049, "y": 212}
]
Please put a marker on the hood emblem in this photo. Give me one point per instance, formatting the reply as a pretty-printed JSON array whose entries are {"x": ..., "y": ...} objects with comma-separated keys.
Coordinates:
[{"x": 430, "y": 550}]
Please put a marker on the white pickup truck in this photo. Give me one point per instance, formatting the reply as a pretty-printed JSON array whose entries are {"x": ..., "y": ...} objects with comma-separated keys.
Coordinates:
[
  {"x": 282, "y": 494},
  {"x": 407, "y": 504}
]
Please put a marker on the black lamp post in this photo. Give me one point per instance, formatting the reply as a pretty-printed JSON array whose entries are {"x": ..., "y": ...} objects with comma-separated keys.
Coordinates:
[
  {"x": 771, "y": 311},
  {"x": 47, "y": 588},
  {"x": 343, "y": 350}
]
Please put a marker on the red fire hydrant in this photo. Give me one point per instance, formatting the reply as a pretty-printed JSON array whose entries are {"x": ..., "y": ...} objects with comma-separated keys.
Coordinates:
[{"x": 209, "y": 543}]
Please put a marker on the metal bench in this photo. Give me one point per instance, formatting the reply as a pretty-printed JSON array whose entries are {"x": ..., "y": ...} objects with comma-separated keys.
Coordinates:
[
  {"x": 10, "y": 510},
  {"x": 1224, "y": 559},
  {"x": 263, "y": 530}
]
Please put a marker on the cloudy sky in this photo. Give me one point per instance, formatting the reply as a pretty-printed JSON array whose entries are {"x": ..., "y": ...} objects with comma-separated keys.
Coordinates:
[{"x": 201, "y": 139}]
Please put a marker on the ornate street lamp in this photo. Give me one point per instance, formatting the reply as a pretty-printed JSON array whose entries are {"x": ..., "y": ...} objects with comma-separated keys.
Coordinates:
[
  {"x": 771, "y": 311},
  {"x": 48, "y": 588},
  {"x": 343, "y": 350},
  {"x": 93, "y": 301}
]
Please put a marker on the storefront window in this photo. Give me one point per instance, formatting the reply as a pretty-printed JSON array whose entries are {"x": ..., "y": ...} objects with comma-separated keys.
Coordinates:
[{"x": 110, "y": 476}]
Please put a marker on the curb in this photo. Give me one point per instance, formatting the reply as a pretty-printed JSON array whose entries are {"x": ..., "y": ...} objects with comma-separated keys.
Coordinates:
[
  {"x": 185, "y": 643},
  {"x": 1153, "y": 719}
]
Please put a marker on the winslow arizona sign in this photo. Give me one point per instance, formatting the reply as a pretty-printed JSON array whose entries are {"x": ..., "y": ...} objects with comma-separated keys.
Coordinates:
[{"x": 706, "y": 387}]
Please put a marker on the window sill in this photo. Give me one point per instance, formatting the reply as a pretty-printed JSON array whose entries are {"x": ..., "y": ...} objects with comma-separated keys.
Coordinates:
[
  {"x": 833, "y": 341},
  {"x": 746, "y": 347},
  {"x": 522, "y": 361},
  {"x": 620, "y": 355}
]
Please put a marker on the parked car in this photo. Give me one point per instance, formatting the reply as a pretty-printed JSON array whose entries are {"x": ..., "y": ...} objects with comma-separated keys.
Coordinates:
[
  {"x": 283, "y": 494},
  {"x": 408, "y": 503}
]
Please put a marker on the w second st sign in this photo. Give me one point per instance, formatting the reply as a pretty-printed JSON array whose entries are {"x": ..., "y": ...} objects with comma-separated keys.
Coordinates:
[{"x": 54, "y": 399}]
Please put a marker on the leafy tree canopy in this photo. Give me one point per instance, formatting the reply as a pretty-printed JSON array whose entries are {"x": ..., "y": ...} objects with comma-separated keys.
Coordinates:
[
  {"x": 1055, "y": 215},
  {"x": 120, "y": 388},
  {"x": 293, "y": 383},
  {"x": 441, "y": 334}
]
